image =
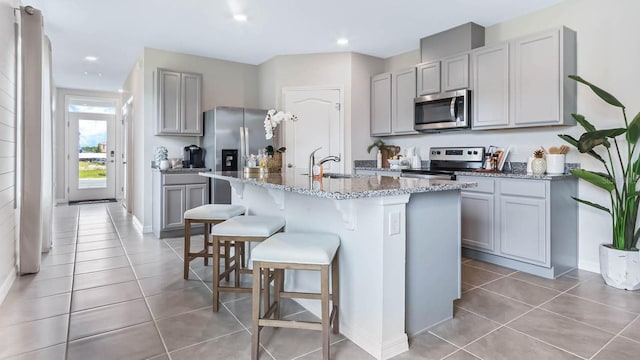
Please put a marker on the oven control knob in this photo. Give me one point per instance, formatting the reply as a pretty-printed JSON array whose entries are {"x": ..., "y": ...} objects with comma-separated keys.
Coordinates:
[
  {"x": 469, "y": 152},
  {"x": 438, "y": 152},
  {"x": 475, "y": 153}
]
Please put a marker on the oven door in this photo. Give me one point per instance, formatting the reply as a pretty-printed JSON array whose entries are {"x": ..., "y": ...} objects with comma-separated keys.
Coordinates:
[{"x": 446, "y": 111}]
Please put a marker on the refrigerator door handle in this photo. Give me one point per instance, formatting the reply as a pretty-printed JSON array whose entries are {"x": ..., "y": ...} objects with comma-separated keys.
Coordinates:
[
  {"x": 243, "y": 154},
  {"x": 246, "y": 139}
]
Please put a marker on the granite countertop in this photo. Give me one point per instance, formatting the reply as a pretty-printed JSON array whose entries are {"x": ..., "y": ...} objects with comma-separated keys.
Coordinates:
[
  {"x": 376, "y": 169},
  {"x": 341, "y": 188},
  {"x": 515, "y": 175},
  {"x": 181, "y": 170}
]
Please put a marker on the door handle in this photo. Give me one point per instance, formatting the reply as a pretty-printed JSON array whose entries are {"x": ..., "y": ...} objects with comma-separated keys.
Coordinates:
[
  {"x": 452, "y": 109},
  {"x": 289, "y": 165},
  {"x": 124, "y": 163}
]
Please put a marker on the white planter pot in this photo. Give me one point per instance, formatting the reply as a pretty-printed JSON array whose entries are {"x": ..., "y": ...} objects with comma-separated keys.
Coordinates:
[{"x": 620, "y": 269}]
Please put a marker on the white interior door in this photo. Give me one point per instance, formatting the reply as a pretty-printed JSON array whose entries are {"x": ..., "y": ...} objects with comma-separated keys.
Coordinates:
[
  {"x": 319, "y": 125},
  {"x": 91, "y": 156}
]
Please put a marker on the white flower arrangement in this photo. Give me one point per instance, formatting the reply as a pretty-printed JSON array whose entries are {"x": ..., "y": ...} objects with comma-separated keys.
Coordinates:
[{"x": 273, "y": 119}]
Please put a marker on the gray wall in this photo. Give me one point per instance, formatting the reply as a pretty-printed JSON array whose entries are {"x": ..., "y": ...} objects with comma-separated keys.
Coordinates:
[{"x": 8, "y": 213}]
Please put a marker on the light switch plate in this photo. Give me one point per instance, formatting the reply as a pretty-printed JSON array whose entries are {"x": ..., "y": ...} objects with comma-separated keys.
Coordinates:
[{"x": 394, "y": 223}]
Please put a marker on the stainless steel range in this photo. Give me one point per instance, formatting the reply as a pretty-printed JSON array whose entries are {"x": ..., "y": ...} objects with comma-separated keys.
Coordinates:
[{"x": 445, "y": 161}]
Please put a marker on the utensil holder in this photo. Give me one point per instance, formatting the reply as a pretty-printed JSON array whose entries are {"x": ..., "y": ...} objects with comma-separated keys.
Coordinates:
[{"x": 555, "y": 163}]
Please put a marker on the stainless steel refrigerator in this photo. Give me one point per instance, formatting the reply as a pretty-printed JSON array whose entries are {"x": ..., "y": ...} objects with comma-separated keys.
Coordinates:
[{"x": 230, "y": 135}]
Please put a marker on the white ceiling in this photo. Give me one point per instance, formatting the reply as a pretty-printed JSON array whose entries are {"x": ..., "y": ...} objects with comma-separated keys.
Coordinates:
[{"x": 116, "y": 31}]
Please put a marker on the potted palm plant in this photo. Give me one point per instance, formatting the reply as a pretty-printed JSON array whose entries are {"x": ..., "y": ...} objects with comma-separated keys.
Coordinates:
[{"x": 620, "y": 259}]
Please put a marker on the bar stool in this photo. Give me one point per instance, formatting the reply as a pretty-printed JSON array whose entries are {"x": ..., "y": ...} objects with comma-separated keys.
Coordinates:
[
  {"x": 239, "y": 230},
  {"x": 210, "y": 214},
  {"x": 296, "y": 251}
]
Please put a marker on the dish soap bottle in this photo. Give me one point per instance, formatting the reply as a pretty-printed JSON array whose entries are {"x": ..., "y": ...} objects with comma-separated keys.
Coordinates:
[{"x": 379, "y": 159}]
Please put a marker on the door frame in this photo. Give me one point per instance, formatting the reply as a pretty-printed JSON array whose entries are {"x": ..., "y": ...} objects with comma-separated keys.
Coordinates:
[
  {"x": 127, "y": 127},
  {"x": 341, "y": 125},
  {"x": 118, "y": 147}
]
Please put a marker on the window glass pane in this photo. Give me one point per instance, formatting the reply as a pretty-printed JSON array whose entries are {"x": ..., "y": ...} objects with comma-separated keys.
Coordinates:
[
  {"x": 92, "y": 154},
  {"x": 109, "y": 110}
]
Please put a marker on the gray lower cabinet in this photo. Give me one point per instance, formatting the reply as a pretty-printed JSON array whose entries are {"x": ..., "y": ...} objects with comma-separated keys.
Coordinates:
[
  {"x": 178, "y": 101},
  {"x": 529, "y": 225},
  {"x": 173, "y": 194}
]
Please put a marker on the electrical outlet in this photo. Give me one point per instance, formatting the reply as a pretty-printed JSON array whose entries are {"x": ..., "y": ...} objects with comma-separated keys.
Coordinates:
[{"x": 394, "y": 223}]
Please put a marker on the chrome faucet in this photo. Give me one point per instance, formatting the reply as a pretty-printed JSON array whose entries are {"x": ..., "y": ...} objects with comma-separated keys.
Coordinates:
[
  {"x": 312, "y": 160},
  {"x": 329, "y": 158}
]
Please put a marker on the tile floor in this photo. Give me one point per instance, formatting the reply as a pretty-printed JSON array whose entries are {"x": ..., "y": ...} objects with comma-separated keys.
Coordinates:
[{"x": 107, "y": 292}]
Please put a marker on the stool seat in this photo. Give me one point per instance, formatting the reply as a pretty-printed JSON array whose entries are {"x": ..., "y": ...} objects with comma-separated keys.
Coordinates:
[
  {"x": 214, "y": 212},
  {"x": 249, "y": 226},
  {"x": 298, "y": 248}
]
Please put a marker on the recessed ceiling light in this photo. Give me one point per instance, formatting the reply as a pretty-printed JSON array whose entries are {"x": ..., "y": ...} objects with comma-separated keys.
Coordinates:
[
  {"x": 240, "y": 17},
  {"x": 90, "y": 58},
  {"x": 100, "y": 74},
  {"x": 342, "y": 41},
  {"x": 120, "y": 91},
  {"x": 86, "y": 73}
]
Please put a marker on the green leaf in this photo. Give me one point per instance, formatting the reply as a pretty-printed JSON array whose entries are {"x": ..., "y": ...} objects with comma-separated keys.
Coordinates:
[
  {"x": 282, "y": 149},
  {"x": 597, "y": 179},
  {"x": 636, "y": 167},
  {"x": 597, "y": 206},
  {"x": 571, "y": 140},
  {"x": 608, "y": 98},
  {"x": 633, "y": 132},
  {"x": 583, "y": 121},
  {"x": 592, "y": 139}
]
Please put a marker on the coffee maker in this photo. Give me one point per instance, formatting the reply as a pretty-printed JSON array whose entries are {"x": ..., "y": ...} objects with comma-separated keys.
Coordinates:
[{"x": 193, "y": 157}]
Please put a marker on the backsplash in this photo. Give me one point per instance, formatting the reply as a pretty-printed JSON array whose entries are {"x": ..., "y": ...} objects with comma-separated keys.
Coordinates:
[{"x": 516, "y": 166}]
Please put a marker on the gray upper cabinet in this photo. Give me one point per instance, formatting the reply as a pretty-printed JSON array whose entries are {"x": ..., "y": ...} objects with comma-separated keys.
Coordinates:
[
  {"x": 403, "y": 90},
  {"x": 381, "y": 104},
  {"x": 542, "y": 92},
  {"x": 179, "y": 103},
  {"x": 491, "y": 87},
  {"x": 524, "y": 82},
  {"x": 428, "y": 78},
  {"x": 455, "y": 73}
]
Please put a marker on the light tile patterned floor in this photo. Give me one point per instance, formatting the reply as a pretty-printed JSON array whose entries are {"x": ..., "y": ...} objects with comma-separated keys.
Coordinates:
[{"x": 106, "y": 291}]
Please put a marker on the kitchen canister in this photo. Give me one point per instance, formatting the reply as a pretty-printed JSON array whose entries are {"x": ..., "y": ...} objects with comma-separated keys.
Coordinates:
[
  {"x": 165, "y": 165},
  {"x": 555, "y": 163}
]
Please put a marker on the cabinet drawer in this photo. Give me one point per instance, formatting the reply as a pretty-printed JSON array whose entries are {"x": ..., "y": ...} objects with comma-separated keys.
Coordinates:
[
  {"x": 182, "y": 179},
  {"x": 530, "y": 188},
  {"x": 485, "y": 185}
]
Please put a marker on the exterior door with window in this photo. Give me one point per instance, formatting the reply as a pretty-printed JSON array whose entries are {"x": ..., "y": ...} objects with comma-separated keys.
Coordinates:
[{"x": 91, "y": 156}]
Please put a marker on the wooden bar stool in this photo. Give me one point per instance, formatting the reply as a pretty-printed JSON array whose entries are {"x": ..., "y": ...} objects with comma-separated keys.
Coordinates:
[
  {"x": 238, "y": 231},
  {"x": 296, "y": 251},
  {"x": 210, "y": 214}
]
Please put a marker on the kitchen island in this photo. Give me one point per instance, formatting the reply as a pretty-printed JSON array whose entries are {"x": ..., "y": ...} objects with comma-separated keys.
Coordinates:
[{"x": 399, "y": 252}]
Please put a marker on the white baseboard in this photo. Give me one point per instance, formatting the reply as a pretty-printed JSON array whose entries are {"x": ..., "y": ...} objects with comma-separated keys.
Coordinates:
[
  {"x": 147, "y": 229},
  {"x": 137, "y": 224},
  {"x": 6, "y": 285},
  {"x": 592, "y": 266}
]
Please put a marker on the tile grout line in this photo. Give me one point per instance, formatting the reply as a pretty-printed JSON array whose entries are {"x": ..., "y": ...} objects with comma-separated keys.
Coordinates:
[
  {"x": 614, "y": 337},
  {"x": 73, "y": 278},
  {"x": 146, "y": 302},
  {"x": 506, "y": 325}
]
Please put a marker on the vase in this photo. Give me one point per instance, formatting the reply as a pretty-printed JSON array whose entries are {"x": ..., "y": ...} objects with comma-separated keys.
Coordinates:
[
  {"x": 538, "y": 166},
  {"x": 620, "y": 268},
  {"x": 275, "y": 162}
]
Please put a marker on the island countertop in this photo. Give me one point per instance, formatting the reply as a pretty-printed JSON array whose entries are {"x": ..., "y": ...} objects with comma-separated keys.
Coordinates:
[{"x": 341, "y": 187}]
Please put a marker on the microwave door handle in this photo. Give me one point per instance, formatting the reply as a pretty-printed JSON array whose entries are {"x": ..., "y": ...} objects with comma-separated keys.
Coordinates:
[{"x": 452, "y": 109}]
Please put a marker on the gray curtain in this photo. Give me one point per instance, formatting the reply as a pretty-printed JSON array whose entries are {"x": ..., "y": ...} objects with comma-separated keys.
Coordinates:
[{"x": 33, "y": 178}]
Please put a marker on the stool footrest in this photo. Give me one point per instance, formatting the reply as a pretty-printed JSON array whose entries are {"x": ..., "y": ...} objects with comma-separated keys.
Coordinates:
[
  {"x": 234, "y": 289},
  {"x": 271, "y": 310},
  {"x": 291, "y": 324},
  {"x": 300, "y": 295}
]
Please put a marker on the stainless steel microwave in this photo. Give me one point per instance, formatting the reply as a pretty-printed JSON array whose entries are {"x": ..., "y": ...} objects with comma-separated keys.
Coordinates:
[{"x": 444, "y": 111}]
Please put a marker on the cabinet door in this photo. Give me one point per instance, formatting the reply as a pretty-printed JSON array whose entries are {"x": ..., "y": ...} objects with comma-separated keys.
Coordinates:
[
  {"x": 168, "y": 98},
  {"x": 491, "y": 87},
  {"x": 191, "y": 104},
  {"x": 478, "y": 221},
  {"x": 173, "y": 206},
  {"x": 523, "y": 229},
  {"x": 429, "y": 78},
  {"x": 403, "y": 90},
  {"x": 381, "y": 104},
  {"x": 455, "y": 73},
  {"x": 536, "y": 80},
  {"x": 196, "y": 195}
]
